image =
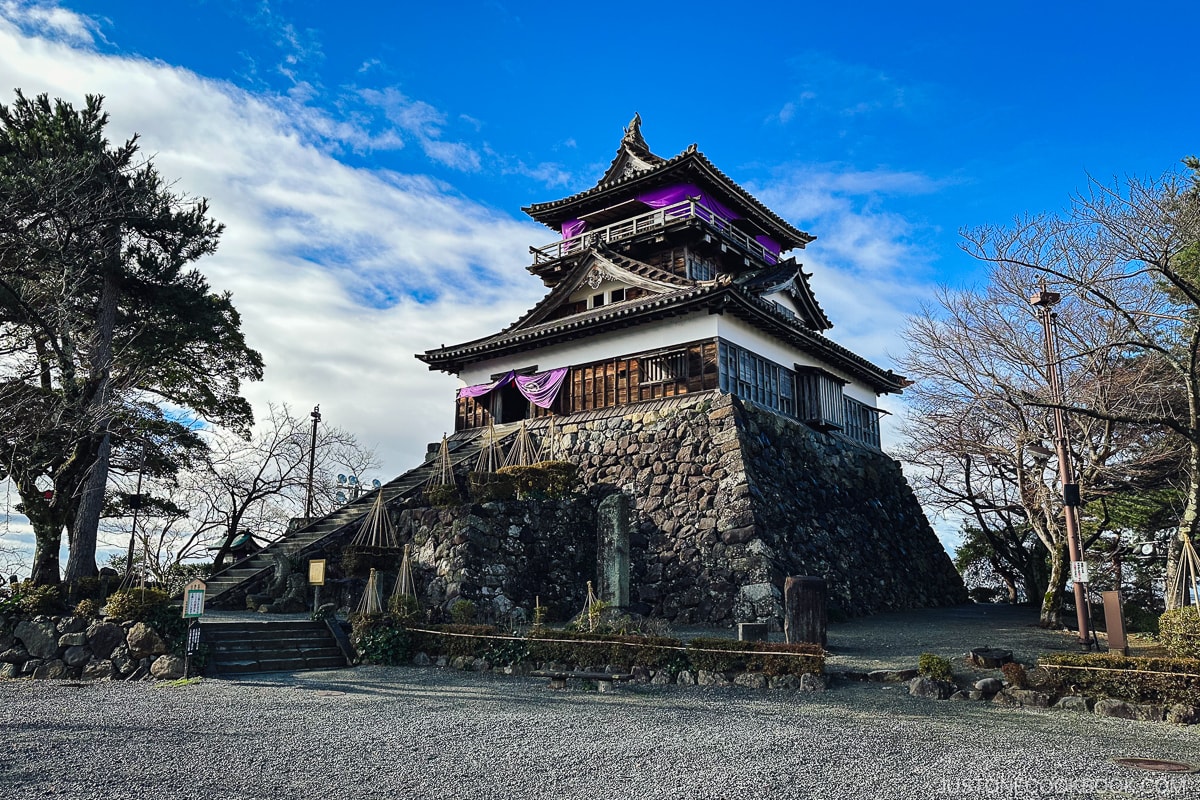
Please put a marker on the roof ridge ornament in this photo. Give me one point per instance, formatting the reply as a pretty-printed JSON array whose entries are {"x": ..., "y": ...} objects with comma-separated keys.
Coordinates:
[{"x": 633, "y": 133}]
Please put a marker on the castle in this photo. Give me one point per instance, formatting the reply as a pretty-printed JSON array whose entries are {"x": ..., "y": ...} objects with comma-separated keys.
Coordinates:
[{"x": 679, "y": 360}]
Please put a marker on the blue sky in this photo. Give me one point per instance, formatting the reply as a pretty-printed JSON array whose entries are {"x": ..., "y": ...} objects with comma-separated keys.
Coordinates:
[{"x": 370, "y": 159}]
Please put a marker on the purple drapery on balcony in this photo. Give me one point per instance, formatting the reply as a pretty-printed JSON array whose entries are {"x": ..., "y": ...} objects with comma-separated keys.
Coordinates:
[
  {"x": 541, "y": 389},
  {"x": 480, "y": 389},
  {"x": 670, "y": 195},
  {"x": 770, "y": 245},
  {"x": 573, "y": 227}
]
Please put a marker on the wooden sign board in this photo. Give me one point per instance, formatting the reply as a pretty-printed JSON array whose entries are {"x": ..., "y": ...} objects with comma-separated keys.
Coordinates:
[
  {"x": 316, "y": 572},
  {"x": 193, "y": 599}
]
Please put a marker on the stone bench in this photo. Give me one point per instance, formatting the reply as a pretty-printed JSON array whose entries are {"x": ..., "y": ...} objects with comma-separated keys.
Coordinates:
[{"x": 604, "y": 680}]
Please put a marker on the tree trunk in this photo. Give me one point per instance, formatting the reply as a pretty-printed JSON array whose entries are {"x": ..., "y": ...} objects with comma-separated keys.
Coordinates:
[
  {"x": 1052, "y": 601},
  {"x": 81, "y": 563}
]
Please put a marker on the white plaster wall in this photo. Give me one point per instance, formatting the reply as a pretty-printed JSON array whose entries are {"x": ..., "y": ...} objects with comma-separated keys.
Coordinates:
[
  {"x": 738, "y": 332},
  {"x": 648, "y": 336}
]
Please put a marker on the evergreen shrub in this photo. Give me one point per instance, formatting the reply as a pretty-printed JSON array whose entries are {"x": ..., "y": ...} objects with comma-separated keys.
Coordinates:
[
  {"x": 766, "y": 657},
  {"x": 1179, "y": 632},
  {"x": 1136, "y": 679},
  {"x": 935, "y": 667}
]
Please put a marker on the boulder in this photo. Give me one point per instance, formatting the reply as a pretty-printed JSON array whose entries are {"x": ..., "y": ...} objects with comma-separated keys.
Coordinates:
[
  {"x": 685, "y": 678},
  {"x": 662, "y": 677},
  {"x": 1124, "y": 710},
  {"x": 481, "y": 665},
  {"x": 812, "y": 682},
  {"x": 785, "y": 682},
  {"x": 10, "y": 670},
  {"x": 32, "y": 664},
  {"x": 707, "y": 678},
  {"x": 421, "y": 660},
  {"x": 14, "y": 655},
  {"x": 98, "y": 670},
  {"x": 77, "y": 639},
  {"x": 640, "y": 674},
  {"x": 144, "y": 641},
  {"x": 960, "y": 695},
  {"x": 751, "y": 680},
  {"x": 77, "y": 655},
  {"x": 122, "y": 662},
  {"x": 72, "y": 624},
  {"x": 1075, "y": 703},
  {"x": 167, "y": 668},
  {"x": 989, "y": 685},
  {"x": 39, "y": 638},
  {"x": 50, "y": 670},
  {"x": 1028, "y": 697},
  {"x": 1180, "y": 714},
  {"x": 928, "y": 687},
  {"x": 103, "y": 638}
]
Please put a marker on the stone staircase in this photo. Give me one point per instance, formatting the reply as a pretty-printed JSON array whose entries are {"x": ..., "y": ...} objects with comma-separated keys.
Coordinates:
[
  {"x": 223, "y": 587},
  {"x": 241, "y": 647}
]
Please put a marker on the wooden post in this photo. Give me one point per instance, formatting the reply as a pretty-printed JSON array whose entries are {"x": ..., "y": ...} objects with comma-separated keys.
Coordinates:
[
  {"x": 804, "y": 617},
  {"x": 1114, "y": 623}
]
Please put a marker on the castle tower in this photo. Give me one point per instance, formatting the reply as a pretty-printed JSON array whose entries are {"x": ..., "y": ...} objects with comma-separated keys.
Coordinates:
[{"x": 667, "y": 278}]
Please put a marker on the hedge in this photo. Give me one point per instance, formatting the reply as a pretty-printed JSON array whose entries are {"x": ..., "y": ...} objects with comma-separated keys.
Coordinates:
[
  {"x": 1179, "y": 632},
  {"x": 593, "y": 649},
  {"x": 1138, "y": 680}
]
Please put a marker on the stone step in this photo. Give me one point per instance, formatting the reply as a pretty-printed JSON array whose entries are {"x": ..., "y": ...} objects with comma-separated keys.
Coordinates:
[{"x": 297, "y": 664}]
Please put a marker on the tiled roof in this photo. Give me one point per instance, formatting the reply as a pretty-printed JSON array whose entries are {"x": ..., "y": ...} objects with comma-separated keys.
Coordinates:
[{"x": 555, "y": 211}]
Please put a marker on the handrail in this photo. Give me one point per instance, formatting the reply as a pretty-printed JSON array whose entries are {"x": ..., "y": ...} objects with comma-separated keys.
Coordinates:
[{"x": 657, "y": 218}]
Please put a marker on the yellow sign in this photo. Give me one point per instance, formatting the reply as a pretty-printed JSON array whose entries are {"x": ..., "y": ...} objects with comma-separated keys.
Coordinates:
[
  {"x": 316, "y": 571},
  {"x": 193, "y": 599}
]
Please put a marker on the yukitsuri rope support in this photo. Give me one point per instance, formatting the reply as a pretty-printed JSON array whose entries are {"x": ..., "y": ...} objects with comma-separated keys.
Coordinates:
[
  {"x": 525, "y": 451},
  {"x": 372, "y": 603}
]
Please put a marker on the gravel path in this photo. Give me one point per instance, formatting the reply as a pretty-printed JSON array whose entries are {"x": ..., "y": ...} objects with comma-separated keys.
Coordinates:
[{"x": 426, "y": 733}]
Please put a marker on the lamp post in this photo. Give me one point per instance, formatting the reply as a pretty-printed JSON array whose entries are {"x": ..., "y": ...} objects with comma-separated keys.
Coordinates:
[
  {"x": 312, "y": 461},
  {"x": 1044, "y": 301}
]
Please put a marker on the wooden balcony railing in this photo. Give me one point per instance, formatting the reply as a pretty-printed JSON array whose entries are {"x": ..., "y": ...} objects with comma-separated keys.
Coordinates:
[{"x": 658, "y": 218}]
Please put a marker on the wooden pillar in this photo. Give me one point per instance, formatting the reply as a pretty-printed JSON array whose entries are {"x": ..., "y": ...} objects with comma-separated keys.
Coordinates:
[{"x": 804, "y": 617}]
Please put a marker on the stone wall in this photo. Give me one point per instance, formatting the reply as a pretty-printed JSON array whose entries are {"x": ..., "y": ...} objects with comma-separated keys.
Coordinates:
[
  {"x": 81, "y": 648},
  {"x": 503, "y": 555},
  {"x": 724, "y": 502},
  {"x": 728, "y": 500}
]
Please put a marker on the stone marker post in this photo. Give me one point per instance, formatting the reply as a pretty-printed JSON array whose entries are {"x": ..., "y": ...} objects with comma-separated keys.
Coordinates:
[
  {"x": 612, "y": 550},
  {"x": 804, "y": 617}
]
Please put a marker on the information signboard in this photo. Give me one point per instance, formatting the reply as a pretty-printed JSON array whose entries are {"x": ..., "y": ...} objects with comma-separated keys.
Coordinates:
[
  {"x": 1079, "y": 572},
  {"x": 193, "y": 599},
  {"x": 316, "y": 572}
]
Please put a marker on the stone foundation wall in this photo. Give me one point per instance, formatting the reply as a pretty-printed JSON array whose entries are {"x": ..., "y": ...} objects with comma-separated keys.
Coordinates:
[
  {"x": 728, "y": 500},
  {"x": 503, "y": 555}
]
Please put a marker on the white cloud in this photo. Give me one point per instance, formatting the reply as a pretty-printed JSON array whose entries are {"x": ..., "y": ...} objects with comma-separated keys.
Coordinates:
[
  {"x": 340, "y": 273},
  {"x": 48, "y": 19}
]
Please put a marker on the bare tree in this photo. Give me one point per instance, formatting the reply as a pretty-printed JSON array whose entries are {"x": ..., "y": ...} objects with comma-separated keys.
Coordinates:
[
  {"x": 257, "y": 484},
  {"x": 979, "y": 423},
  {"x": 1129, "y": 253}
]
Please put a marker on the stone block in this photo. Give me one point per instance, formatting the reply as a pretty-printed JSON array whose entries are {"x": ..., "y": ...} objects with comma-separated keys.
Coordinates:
[
  {"x": 143, "y": 641},
  {"x": 751, "y": 680},
  {"x": 72, "y": 639},
  {"x": 1180, "y": 714},
  {"x": 930, "y": 688},
  {"x": 72, "y": 624},
  {"x": 811, "y": 682},
  {"x": 98, "y": 670},
  {"x": 1075, "y": 703},
  {"x": 706, "y": 677},
  {"x": 167, "y": 668},
  {"x": 77, "y": 655},
  {"x": 51, "y": 670},
  {"x": 685, "y": 678},
  {"x": 1124, "y": 710},
  {"x": 40, "y": 638}
]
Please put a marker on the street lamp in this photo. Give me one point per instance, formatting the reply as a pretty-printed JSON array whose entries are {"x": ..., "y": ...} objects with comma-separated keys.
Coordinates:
[
  {"x": 312, "y": 461},
  {"x": 1044, "y": 301}
]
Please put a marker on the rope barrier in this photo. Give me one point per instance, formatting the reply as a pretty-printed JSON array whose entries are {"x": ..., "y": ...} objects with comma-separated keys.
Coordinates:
[{"x": 1118, "y": 669}]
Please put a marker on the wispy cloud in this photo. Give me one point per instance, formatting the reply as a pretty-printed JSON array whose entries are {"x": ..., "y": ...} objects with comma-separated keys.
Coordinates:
[
  {"x": 47, "y": 19},
  {"x": 826, "y": 87},
  {"x": 340, "y": 273}
]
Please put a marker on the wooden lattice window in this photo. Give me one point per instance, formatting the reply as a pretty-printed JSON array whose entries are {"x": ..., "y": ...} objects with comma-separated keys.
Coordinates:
[
  {"x": 664, "y": 368},
  {"x": 820, "y": 399}
]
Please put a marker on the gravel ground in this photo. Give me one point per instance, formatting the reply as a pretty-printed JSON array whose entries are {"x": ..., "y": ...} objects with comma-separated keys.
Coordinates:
[{"x": 401, "y": 732}]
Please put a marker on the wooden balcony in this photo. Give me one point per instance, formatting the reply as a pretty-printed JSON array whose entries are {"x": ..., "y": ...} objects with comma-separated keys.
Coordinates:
[{"x": 649, "y": 221}]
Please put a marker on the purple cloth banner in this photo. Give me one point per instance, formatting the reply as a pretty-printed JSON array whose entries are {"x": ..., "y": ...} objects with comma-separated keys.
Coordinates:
[
  {"x": 480, "y": 389},
  {"x": 573, "y": 227},
  {"x": 542, "y": 388},
  {"x": 670, "y": 195},
  {"x": 771, "y": 246}
]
